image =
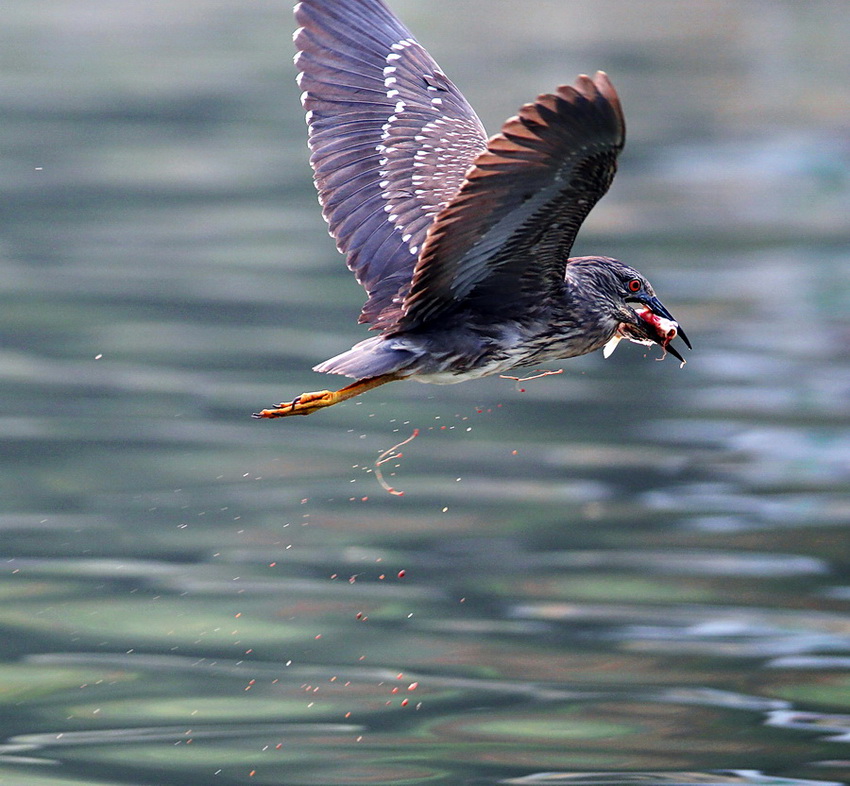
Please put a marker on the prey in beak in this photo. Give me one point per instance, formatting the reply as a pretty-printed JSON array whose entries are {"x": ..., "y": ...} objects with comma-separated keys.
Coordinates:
[{"x": 655, "y": 325}]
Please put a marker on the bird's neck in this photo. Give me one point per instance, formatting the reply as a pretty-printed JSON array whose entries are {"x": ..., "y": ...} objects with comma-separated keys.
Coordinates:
[{"x": 588, "y": 308}]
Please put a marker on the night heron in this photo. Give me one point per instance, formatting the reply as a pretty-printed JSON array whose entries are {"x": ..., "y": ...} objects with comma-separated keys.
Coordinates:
[{"x": 460, "y": 241}]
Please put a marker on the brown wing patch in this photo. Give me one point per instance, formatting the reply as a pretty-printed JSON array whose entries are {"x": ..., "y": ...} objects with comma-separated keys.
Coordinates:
[{"x": 506, "y": 235}]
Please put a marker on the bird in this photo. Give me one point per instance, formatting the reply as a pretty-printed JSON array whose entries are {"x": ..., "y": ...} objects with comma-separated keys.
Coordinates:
[{"x": 461, "y": 241}]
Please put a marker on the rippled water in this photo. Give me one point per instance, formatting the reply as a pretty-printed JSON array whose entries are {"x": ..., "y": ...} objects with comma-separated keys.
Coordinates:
[{"x": 624, "y": 573}]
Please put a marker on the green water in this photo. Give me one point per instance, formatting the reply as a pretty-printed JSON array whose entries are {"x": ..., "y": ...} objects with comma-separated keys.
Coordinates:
[{"x": 628, "y": 568}]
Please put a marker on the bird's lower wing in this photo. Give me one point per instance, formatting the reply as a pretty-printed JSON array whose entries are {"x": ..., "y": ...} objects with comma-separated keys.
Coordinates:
[{"x": 506, "y": 235}]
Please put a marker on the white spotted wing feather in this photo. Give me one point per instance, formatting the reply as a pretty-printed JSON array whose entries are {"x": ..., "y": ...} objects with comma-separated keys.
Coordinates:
[{"x": 391, "y": 138}]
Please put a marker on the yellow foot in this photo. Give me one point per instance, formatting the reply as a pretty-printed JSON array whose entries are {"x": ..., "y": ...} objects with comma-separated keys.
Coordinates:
[
  {"x": 305, "y": 404},
  {"x": 308, "y": 403}
]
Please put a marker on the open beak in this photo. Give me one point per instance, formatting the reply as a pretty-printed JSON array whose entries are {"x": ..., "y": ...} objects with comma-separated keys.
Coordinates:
[
  {"x": 657, "y": 308},
  {"x": 656, "y": 326}
]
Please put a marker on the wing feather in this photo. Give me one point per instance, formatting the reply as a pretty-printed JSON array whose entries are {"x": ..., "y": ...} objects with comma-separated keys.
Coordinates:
[
  {"x": 504, "y": 240},
  {"x": 379, "y": 109}
]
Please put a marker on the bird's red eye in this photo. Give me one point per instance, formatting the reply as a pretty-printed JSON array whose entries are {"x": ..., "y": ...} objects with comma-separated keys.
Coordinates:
[{"x": 635, "y": 285}]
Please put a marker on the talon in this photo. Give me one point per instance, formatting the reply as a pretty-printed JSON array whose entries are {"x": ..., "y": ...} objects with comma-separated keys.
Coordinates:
[
  {"x": 278, "y": 411},
  {"x": 305, "y": 404},
  {"x": 292, "y": 404}
]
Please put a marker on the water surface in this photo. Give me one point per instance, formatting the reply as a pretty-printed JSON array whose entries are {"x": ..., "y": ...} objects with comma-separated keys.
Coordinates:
[{"x": 624, "y": 573}]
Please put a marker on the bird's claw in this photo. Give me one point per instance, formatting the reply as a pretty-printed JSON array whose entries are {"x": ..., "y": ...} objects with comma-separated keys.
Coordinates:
[{"x": 305, "y": 404}]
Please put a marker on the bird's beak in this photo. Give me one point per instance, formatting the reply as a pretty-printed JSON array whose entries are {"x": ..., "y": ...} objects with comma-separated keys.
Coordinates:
[
  {"x": 657, "y": 308},
  {"x": 655, "y": 325}
]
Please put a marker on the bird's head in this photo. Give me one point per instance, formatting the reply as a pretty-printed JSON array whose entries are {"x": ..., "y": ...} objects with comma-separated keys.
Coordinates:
[{"x": 622, "y": 303}]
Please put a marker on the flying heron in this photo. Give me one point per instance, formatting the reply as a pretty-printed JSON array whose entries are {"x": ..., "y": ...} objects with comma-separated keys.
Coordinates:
[{"x": 461, "y": 242}]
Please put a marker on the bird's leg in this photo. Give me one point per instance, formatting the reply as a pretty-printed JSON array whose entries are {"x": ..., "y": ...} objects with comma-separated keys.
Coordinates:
[{"x": 308, "y": 403}]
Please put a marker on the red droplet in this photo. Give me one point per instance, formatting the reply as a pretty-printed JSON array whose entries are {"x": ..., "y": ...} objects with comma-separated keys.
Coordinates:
[{"x": 401, "y": 574}]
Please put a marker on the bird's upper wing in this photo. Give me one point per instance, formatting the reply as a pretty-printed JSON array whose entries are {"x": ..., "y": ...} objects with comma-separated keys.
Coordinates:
[
  {"x": 392, "y": 139},
  {"x": 504, "y": 239}
]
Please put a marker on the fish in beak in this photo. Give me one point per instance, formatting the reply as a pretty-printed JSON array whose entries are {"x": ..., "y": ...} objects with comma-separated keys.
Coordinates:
[{"x": 655, "y": 326}]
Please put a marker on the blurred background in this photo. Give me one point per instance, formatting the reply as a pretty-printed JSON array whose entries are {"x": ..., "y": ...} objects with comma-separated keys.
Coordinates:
[{"x": 625, "y": 568}]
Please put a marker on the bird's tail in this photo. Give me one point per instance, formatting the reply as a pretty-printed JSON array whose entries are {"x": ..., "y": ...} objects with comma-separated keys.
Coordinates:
[{"x": 373, "y": 357}]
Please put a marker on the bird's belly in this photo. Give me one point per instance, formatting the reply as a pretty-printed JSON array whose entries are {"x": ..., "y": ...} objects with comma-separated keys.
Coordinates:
[
  {"x": 456, "y": 356},
  {"x": 495, "y": 365}
]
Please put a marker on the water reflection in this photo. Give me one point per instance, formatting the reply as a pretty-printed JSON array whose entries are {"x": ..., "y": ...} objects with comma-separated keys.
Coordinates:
[
  {"x": 626, "y": 573},
  {"x": 665, "y": 779}
]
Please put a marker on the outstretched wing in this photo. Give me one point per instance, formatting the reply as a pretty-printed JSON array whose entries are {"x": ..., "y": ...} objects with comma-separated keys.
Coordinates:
[
  {"x": 392, "y": 139},
  {"x": 503, "y": 241}
]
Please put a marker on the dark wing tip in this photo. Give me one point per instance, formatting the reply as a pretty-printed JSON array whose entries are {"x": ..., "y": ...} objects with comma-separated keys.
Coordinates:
[
  {"x": 600, "y": 87},
  {"x": 598, "y": 91},
  {"x": 521, "y": 134}
]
